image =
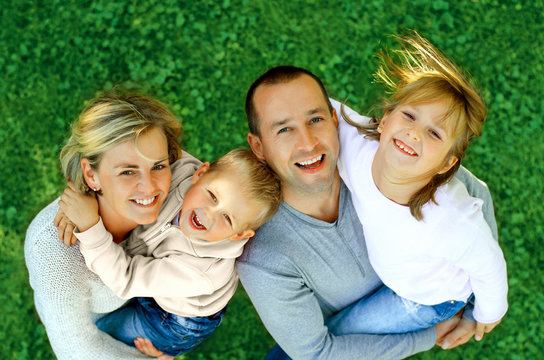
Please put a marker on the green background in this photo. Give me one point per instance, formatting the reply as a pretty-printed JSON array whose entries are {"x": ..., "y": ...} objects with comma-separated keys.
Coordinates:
[{"x": 199, "y": 57}]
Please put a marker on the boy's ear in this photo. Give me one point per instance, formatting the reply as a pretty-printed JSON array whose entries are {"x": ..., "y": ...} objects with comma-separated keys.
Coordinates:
[
  {"x": 90, "y": 176},
  {"x": 199, "y": 172},
  {"x": 256, "y": 145},
  {"x": 451, "y": 161},
  {"x": 242, "y": 235}
]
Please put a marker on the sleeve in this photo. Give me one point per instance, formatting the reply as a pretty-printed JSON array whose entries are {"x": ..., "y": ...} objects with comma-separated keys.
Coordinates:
[
  {"x": 58, "y": 277},
  {"x": 291, "y": 314},
  {"x": 139, "y": 275}
]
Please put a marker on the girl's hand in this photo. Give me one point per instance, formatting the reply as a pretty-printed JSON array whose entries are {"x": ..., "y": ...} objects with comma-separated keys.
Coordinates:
[
  {"x": 81, "y": 209},
  {"x": 66, "y": 228},
  {"x": 146, "y": 347},
  {"x": 484, "y": 328}
]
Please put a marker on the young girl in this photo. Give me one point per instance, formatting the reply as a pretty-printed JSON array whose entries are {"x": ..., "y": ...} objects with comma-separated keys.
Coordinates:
[{"x": 426, "y": 237}]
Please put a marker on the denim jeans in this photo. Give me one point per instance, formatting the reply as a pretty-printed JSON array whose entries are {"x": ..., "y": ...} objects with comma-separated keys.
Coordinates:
[
  {"x": 384, "y": 312},
  {"x": 170, "y": 333}
]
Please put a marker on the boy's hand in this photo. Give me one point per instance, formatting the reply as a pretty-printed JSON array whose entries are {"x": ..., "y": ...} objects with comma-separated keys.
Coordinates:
[
  {"x": 66, "y": 228},
  {"x": 81, "y": 209},
  {"x": 484, "y": 328},
  {"x": 460, "y": 335}
]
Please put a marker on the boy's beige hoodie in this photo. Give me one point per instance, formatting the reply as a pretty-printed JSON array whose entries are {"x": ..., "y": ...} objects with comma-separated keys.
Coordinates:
[{"x": 185, "y": 276}]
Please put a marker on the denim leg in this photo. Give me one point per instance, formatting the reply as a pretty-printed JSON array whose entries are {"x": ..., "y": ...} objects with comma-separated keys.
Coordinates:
[
  {"x": 124, "y": 324},
  {"x": 277, "y": 353},
  {"x": 384, "y": 312}
]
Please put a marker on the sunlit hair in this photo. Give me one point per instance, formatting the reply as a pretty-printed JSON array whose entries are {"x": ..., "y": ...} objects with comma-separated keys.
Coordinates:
[
  {"x": 257, "y": 181},
  {"x": 112, "y": 119},
  {"x": 423, "y": 75},
  {"x": 277, "y": 75}
]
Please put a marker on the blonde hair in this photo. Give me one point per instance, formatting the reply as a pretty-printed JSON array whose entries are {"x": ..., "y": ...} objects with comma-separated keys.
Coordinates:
[
  {"x": 109, "y": 120},
  {"x": 258, "y": 181},
  {"x": 424, "y": 75}
]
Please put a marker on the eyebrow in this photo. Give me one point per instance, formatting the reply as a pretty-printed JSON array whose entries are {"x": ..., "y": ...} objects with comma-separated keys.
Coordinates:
[
  {"x": 310, "y": 112},
  {"x": 132, "y": 166}
]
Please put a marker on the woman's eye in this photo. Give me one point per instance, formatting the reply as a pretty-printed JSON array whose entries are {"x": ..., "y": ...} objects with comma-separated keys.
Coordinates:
[
  {"x": 212, "y": 196},
  {"x": 159, "y": 167}
]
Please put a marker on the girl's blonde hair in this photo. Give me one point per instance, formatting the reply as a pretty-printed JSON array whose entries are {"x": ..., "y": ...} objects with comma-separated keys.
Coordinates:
[
  {"x": 424, "y": 75},
  {"x": 109, "y": 120},
  {"x": 257, "y": 180}
]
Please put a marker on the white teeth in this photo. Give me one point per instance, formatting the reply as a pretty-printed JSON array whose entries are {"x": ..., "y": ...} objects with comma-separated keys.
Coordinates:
[
  {"x": 311, "y": 161},
  {"x": 144, "y": 201},
  {"x": 405, "y": 149}
]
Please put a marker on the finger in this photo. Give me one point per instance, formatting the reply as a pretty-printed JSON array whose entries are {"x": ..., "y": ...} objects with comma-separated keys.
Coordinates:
[
  {"x": 480, "y": 329},
  {"x": 58, "y": 217},
  {"x": 61, "y": 228},
  {"x": 460, "y": 341},
  {"x": 71, "y": 185},
  {"x": 68, "y": 232},
  {"x": 73, "y": 240}
]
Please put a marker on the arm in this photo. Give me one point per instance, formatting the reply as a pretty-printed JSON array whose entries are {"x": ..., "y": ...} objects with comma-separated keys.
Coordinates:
[
  {"x": 139, "y": 275},
  {"x": 292, "y": 315},
  {"x": 62, "y": 293}
]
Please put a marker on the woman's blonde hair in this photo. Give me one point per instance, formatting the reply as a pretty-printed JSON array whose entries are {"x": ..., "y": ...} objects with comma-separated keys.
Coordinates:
[
  {"x": 424, "y": 75},
  {"x": 109, "y": 120},
  {"x": 258, "y": 181}
]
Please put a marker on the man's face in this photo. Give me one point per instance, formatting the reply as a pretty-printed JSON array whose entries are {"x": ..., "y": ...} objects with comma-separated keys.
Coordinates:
[{"x": 299, "y": 138}]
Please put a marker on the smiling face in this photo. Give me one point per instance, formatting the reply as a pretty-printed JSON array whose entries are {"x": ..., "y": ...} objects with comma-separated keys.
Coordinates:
[
  {"x": 134, "y": 179},
  {"x": 413, "y": 141},
  {"x": 216, "y": 208},
  {"x": 298, "y": 134}
]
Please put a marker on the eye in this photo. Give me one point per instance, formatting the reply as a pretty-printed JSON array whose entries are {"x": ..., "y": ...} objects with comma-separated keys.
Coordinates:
[
  {"x": 316, "y": 120},
  {"x": 434, "y": 134},
  {"x": 212, "y": 196},
  {"x": 227, "y": 218},
  {"x": 408, "y": 116},
  {"x": 159, "y": 167},
  {"x": 127, "y": 172},
  {"x": 283, "y": 130}
]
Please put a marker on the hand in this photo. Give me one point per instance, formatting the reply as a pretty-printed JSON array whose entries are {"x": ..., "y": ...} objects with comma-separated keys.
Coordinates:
[
  {"x": 459, "y": 335},
  {"x": 81, "y": 209},
  {"x": 66, "y": 228},
  {"x": 445, "y": 327},
  {"x": 484, "y": 328},
  {"x": 146, "y": 347}
]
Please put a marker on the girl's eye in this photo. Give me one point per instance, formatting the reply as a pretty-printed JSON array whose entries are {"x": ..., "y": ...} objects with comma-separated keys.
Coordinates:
[
  {"x": 435, "y": 134},
  {"x": 228, "y": 219},
  {"x": 212, "y": 196},
  {"x": 408, "y": 116}
]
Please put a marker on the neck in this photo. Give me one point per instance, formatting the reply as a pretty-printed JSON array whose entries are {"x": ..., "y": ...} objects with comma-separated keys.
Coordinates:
[
  {"x": 119, "y": 227},
  {"x": 322, "y": 205},
  {"x": 393, "y": 185}
]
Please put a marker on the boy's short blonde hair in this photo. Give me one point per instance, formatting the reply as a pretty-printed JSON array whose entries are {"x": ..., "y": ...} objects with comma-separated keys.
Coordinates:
[
  {"x": 258, "y": 181},
  {"x": 422, "y": 75},
  {"x": 109, "y": 120}
]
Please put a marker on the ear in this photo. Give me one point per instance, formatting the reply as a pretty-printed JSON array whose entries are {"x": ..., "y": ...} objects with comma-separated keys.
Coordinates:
[
  {"x": 451, "y": 161},
  {"x": 242, "y": 235},
  {"x": 199, "y": 172},
  {"x": 335, "y": 117},
  {"x": 90, "y": 176},
  {"x": 256, "y": 145},
  {"x": 382, "y": 122}
]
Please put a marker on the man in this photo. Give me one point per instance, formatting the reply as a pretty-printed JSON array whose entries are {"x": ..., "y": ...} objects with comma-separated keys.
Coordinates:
[{"x": 310, "y": 261}]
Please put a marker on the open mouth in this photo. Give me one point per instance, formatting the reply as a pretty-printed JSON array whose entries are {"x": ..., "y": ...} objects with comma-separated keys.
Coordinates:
[
  {"x": 404, "y": 148},
  {"x": 146, "y": 202},
  {"x": 312, "y": 163},
  {"x": 195, "y": 221}
]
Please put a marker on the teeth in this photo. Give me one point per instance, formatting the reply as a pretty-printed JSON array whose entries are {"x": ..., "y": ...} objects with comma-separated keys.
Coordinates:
[
  {"x": 405, "y": 149},
  {"x": 144, "y": 201},
  {"x": 311, "y": 161},
  {"x": 196, "y": 221}
]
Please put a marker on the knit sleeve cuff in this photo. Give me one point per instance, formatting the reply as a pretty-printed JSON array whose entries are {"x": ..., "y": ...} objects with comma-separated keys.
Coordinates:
[{"x": 94, "y": 236}]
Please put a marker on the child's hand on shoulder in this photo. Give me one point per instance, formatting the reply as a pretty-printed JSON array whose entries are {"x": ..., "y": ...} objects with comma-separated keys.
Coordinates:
[
  {"x": 482, "y": 328},
  {"x": 81, "y": 209}
]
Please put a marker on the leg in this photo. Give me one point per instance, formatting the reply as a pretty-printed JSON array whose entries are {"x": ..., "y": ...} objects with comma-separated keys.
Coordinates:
[
  {"x": 384, "y": 312},
  {"x": 123, "y": 324},
  {"x": 277, "y": 353}
]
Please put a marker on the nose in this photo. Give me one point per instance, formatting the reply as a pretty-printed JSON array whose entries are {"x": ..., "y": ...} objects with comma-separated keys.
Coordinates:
[
  {"x": 413, "y": 133},
  {"x": 306, "y": 140},
  {"x": 146, "y": 183}
]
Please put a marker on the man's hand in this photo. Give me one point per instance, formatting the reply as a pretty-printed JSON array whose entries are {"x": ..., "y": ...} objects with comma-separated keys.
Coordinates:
[
  {"x": 146, "y": 347},
  {"x": 459, "y": 335},
  {"x": 81, "y": 209},
  {"x": 484, "y": 328},
  {"x": 65, "y": 228}
]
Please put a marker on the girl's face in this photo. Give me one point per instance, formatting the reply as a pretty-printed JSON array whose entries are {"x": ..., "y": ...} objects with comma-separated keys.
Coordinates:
[
  {"x": 134, "y": 179},
  {"x": 414, "y": 142}
]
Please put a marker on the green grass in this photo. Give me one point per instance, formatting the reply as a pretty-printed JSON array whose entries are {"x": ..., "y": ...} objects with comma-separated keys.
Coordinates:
[{"x": 200, "y": 57}]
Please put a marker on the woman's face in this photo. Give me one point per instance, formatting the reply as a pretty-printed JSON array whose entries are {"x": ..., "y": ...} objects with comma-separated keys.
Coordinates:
[{"x": 134, "y": 179}]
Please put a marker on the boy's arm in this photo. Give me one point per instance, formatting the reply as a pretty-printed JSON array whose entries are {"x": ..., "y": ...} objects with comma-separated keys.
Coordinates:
[
  {"x": 132, "y": 276},
  {"x": 291, "y": 314}
]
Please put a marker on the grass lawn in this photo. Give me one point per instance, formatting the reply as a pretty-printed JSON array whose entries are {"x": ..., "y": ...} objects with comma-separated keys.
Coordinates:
[{"x": 199, "y": 57}]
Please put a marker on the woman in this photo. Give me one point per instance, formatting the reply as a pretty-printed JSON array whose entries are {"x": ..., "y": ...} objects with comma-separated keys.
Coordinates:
[{"x": 121, "y": 148}]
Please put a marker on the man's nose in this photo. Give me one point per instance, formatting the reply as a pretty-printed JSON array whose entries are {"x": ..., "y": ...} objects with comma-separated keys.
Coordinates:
[{"x": 306, "y": 139}]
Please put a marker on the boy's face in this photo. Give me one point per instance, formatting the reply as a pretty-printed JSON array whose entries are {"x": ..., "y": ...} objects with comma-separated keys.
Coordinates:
[{"x": 215, "y": 207}]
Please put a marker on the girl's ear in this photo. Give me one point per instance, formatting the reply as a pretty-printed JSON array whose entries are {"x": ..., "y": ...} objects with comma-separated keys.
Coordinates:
[
  {"x": 199, "y": 172},
  {"x": 90, "y": 176},
  {"x": 242, "y": 235},
  {"x": 382, "y": 122},
  {"x": 451, "y": 161}
]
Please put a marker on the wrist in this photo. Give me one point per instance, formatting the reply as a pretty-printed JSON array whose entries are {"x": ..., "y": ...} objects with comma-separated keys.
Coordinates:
[{"x": 88, "y": 224}]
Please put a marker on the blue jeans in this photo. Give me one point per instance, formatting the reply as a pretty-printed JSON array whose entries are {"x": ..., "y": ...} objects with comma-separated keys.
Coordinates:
[
  {"x": 384, "y": 312},
  {"x": 170, "y": 333}
]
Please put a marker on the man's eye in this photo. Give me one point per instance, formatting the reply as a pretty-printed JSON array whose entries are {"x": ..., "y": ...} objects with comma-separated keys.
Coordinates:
[
  {"x": 212, "y": 196},
  {"x": 315, "y": 120},
  {"x": 127, "y": 172},
  {"x": 282, "y": 130}
]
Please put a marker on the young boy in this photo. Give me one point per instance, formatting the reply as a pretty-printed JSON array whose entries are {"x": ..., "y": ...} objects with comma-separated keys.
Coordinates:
[{"x": 181, "y": 268}]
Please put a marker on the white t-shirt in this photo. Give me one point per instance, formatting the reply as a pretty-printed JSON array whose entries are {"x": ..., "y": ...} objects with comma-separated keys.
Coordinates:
[{"x": 446, "y": 256}]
